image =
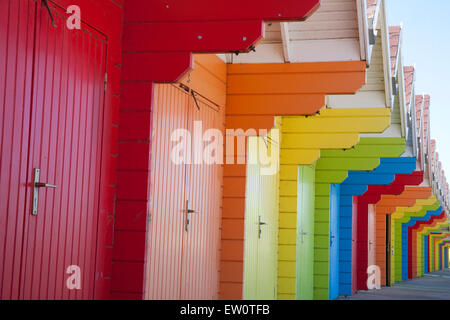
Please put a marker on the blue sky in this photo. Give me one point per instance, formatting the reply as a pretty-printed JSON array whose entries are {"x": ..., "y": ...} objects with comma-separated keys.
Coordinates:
[{"x": 426, "y": 43}]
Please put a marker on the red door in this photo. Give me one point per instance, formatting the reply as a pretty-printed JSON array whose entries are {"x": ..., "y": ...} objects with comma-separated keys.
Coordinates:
[
  {"x": 371, "y": 236},
  {"x": 388, "y": 250},
  {"x": 64, "y": 123},
  {"x": 182, "y": 247}
]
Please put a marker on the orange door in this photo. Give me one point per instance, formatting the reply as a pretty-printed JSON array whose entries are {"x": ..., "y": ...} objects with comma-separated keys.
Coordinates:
[
  {"x": 183, "y": 236},
  {"x": 167, "y": 206},
  {"x": 199, "y": 270}
]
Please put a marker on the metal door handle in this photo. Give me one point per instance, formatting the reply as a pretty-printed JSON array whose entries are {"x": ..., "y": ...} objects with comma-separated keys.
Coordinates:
[
  {"x": 36, "y": 186},
  {"x": 188, "y": 215},
  {"x": 260, "y": 223},
  {"x": 44, "y": 185},
  {"x": 303, "y": 235},
  {"x": 331, "y": 239}
]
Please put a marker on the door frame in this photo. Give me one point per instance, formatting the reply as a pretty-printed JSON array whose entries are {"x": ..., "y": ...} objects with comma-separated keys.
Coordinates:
[{"x": 110, "y": 25}]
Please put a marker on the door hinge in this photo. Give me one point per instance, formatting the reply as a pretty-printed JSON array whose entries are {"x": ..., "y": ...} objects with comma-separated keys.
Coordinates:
[
  {"x": 184, "y": 87},
  {"x": 195, "y": 99},
  {"x": 45, "y": 3},
  {"x": 106, "y": 81}
]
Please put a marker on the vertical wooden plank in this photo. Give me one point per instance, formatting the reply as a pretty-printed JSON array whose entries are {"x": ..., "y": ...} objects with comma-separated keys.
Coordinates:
[
  {"x": 305, "y": 233},
  {"x": 388, "y": 250},
  {"x": 261, "y": 241},
  {"x": 371, "y": 260},
  {"x": 334, "y": 242},
  {"x": 269, "y": 199},
  {"x": 199, "y": 271},
  {"x": 354, "y": 243},
  {"x": 17, "y": 19},
  {"x": 166, "y": 228}
]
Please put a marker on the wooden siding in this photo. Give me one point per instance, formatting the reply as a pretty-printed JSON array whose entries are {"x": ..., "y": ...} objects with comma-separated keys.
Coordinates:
[
  {"x": 335, "y": 24},
  {"x": 183, "y": 263}
]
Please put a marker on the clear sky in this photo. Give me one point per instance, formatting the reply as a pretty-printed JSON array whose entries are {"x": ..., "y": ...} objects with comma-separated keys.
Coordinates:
[{"x": 426, "y": 43}]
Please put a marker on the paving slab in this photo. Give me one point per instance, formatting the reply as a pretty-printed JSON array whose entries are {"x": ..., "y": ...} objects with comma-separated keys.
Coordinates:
[{"x": 432, "y": 286}]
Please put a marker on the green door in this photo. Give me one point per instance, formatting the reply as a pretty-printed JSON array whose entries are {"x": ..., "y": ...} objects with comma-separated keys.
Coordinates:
[{"x": 305, "y": 232}]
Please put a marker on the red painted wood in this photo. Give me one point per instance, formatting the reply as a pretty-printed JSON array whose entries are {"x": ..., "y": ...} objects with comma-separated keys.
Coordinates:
[
  {"x": 410, "y": 253},
  {"x": 17, "y": 23},
  {"x": 49, "y": 147},
  {"x": 16, "y": 62},
  {"x": 157, "y": 67},
  {"x": 362, "y": 238},
  {"x": 418, "y": 224},
  {"x": 168, "y": 32},
  {"x": 146, "y": 61},
  {"x": 66, "y": 139},
  {"x": 106, "y": 17},
  {"x": 372, "y": 196},
  {"x": 193, "y": 37},
  {"x": 371, "y": 235},
  {"x": 205, "y": 10},
  {"x": 167, "y": 59}
]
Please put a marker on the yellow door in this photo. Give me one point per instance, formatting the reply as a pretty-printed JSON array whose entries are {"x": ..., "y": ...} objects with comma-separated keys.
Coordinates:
[{"x": 261, "y": 225}]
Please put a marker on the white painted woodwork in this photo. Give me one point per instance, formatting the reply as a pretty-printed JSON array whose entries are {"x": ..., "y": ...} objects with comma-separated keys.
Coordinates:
[{"x": 337, "y": 31}]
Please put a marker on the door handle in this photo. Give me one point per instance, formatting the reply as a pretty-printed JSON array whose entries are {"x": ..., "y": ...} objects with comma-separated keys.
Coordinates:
[
  {"x": 36, "y": 186},
  {"x": 188, "y": 215},
  {"x": 331, "y": 239},
  {"x": 260, "y": 223},
  {"x": 44, "y": 185},
  {"x": 303, "y": 235}
]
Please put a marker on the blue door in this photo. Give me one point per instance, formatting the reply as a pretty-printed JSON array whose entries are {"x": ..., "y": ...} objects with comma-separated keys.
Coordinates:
[
  {"x": 334, "y": 242},
  {"x": 425, "y": 255}
]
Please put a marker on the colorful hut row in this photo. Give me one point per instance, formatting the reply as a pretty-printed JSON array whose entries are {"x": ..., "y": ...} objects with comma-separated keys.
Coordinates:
[{"x": 353, "y": 195}]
